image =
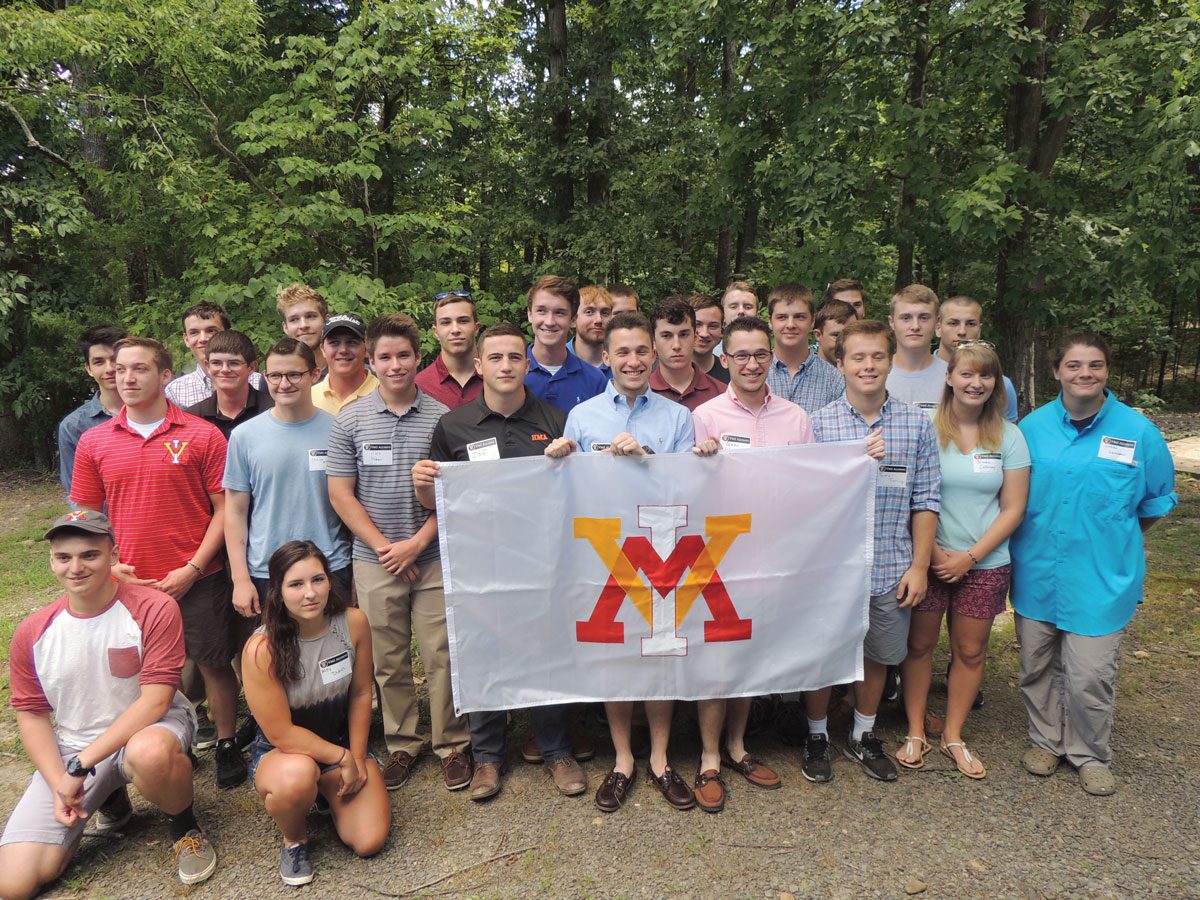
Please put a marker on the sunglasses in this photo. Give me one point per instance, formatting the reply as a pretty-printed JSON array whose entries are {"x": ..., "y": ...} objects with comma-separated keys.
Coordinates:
[
  {"x": 464, "y": 295},
  {"x": 986, "y": 345}
]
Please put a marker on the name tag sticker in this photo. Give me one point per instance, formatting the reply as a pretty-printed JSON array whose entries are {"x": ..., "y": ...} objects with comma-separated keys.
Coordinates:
[
  {"x": 734, "y": 441},
  {"x": 335, "y": 668},
  {"x": 986, "y": 463},
  {"x": 377, "y": 454},
  {"x": 600, "y": 446},
  {"x": 892, "y": 477},
  {"x": 930, "y": 408},
  {"x": 1117, "y": 450},
  {"x": 317, "y": 460},
  {"x": 479, "y": 451}
]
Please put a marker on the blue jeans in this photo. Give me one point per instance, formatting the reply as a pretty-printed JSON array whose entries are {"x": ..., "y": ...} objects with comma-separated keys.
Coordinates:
[{"x": 490, "y": 744}]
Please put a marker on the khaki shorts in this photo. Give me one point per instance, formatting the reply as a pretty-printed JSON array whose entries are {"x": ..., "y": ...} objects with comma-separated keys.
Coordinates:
[{"x": 32, "y": 820}]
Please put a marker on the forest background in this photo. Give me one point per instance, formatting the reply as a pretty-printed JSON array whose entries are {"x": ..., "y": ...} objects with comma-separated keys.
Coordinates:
[{"x": 1042, "y": 157}]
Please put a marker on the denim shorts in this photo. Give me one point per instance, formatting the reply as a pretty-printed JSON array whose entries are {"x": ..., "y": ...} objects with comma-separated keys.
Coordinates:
[{"x": 260, "y": 747}]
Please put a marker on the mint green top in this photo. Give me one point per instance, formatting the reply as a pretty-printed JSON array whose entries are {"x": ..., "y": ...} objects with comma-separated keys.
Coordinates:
[{"x": 971, "y": 485}]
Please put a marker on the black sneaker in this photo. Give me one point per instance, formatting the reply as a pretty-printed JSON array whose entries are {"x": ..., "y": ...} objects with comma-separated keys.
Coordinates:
[
  {"x": 891, "y": 685},
  {"x": 791, "y": 723},
  {"x": 869, "y": 754},
  {"x": 231, "y": 767},
  {"x": 206, "y": 732},
  {"x": 245, "y": 735},
  {"x": 817, "y": 764},
  {"x": 977, "y": 703}
]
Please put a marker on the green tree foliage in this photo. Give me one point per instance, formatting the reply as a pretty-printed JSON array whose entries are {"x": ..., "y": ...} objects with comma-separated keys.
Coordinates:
[{"x": 1042, "y": 157}]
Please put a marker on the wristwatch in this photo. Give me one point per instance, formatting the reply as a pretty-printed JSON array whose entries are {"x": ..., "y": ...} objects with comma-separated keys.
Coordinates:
[{"x": 76, "y": 770}]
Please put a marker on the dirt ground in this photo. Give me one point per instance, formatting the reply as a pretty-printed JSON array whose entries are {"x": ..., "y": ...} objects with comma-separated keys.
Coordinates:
[{"x": 933, "y": 833}]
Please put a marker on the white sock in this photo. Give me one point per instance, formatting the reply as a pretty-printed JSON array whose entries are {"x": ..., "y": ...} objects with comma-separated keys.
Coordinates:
[
  {"x": 862, "y": 724},
  {"x": 819, "y": 726}
]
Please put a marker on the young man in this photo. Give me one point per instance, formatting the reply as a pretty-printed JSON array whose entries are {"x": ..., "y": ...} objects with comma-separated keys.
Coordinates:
[
  {"x": 342, "y": 342},
  {"x": 796, "y": 374},
  {"x": 739, "y": 300},
  {"x": 104, "y": 661},
  {"x": 451, "y": 378},
  {"x": 595, "y": 309},
  {"x": 625, "y": 298},
  {"x": 848, "y": 290},
  {"x": 677, "y": 377},
  {"x": 303, "y": 312},
  {"x": 276, "y": 467},
  {"x": 906, "y": 511},
  {"x": 629, "y": 419},
  {"x": 231, "y": 359},
  {"x": 505, "y": 421},
  {"x": 159, "y": 471},
  {"x": 709, "y": 323},
  {"x": 961, "y": 319},
  {"x": 200, "y": 323},
  {"x": 832, "y": 316},
  {"x": 96, "y": 344},
  {"x": 397, "y": 570},
  {"x": 917, "y": 376},
  {"x": 556, "y": 376}
]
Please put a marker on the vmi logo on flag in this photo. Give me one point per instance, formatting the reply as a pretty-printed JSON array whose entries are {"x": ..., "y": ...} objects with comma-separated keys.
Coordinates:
[{"x": 666, "y": 596}]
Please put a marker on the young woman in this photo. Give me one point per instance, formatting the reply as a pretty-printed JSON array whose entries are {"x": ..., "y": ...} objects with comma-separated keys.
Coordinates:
[
  {"x": 1102, "y": 476},
  {"x": 307, "y": 673},
  {"x": 985, "y": 482}
]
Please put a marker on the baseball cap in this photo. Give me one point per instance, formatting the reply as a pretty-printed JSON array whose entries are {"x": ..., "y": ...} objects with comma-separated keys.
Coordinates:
[
  {"x": 84, "y": 520},
  {"x": 348, "y": 321}
]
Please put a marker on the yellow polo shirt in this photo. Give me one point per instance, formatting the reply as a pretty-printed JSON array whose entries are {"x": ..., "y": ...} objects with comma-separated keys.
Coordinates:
[{"x": 326, "y": 399}]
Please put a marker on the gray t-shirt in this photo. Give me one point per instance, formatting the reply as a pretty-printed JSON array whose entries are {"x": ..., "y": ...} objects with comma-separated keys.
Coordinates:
[
  {"x": 923, "y": 388},
  {"x": 282, "y": 466}
]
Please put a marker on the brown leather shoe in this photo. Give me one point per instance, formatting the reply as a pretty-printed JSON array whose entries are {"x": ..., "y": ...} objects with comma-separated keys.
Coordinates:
[
  {"x": 398, "y": 769},
  {"x": 583, "y": 745},
  {"x": 754, "y": 771},
  {"x": 674, "y": 788},
  {"x": 612, "y": 791},
  {"x": 529, "y": 750},
  {"x": 568, "y": 776},
  {"x": 485, "y": 783},
  {"x": 457, "y": 771},
  {"x": 710, "y": 791}
]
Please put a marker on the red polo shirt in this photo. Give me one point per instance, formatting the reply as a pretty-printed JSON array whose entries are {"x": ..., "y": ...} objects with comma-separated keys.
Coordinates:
[
  {"x": 436, "y": 381},
  {"x": 157, "y": 488},
  {"x": 702, "y": 389}
]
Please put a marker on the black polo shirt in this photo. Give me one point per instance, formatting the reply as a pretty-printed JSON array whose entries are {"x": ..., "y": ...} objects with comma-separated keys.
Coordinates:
[
  {"x": 257, "y": 402},
  {"x": 527, "y": 432}
]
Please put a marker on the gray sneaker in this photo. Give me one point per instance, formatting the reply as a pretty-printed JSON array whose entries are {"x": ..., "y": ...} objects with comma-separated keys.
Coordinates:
[
  {"x": 197, "y": 859},
  {"x": 115, "y": 812},
  {"x": 295, "y": 866},
  {"x": 869, "y": 754}
]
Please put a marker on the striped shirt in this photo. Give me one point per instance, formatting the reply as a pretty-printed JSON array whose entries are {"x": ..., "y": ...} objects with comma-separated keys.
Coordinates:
[
  {"x": 157, "y": 488},
  {"x": 188, "y": 390},
  {"x": 815, "y": 384},
  {"x": 909, "y": 479},
  {"x": 378, "y": 449}
]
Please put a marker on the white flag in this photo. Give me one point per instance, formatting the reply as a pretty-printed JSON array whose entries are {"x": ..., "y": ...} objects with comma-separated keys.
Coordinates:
[{"x": 670, "y": 576}]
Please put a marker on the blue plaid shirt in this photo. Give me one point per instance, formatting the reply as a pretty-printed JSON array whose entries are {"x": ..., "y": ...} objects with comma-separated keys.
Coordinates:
[
  {"x": 815, "y": 384},
  {"x": 909, "y": 441}
]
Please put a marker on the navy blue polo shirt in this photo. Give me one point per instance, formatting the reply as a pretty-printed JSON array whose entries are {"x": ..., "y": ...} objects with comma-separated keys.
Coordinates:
[{"x": 575, "y": 382}]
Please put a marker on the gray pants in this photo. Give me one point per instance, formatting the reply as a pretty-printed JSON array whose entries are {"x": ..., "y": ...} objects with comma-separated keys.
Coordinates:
[{"x": 1069, "y": 685}]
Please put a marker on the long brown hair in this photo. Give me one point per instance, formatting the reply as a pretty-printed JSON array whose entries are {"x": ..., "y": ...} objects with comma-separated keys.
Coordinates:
[
  {"x": 991, "y": 417},
  {"x": 282, "y": 633}
]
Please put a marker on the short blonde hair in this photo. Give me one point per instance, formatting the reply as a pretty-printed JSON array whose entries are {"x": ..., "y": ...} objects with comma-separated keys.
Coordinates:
[
  {"x": 596, "y": 294},
  {"x": 300, "y": 293},
  {"x": 915, "y": 293}
]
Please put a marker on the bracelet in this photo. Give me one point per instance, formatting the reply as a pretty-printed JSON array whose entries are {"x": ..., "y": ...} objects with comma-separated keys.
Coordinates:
[
  {"x": 196, "y": 567},
  {"x": 342, "y": 759},
  {"x": 973, "y": 559}
]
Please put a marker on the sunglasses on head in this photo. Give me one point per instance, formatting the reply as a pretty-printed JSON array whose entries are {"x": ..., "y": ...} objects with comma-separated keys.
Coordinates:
[{"x": 465, "y": 295}]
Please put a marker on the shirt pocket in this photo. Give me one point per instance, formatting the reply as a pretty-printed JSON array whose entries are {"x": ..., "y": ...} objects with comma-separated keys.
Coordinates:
[
  {"x": 1111, "y": 490},
  {"x": 124, "y": 662}
]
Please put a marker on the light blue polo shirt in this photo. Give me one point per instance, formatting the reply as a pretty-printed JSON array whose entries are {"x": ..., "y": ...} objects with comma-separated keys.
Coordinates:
[
  {"x": 1078, "y": 557},
  {"x": 655, "y": 422},
  {"x": 575, "y": 382},
  {"x": 971, "y": 485}
]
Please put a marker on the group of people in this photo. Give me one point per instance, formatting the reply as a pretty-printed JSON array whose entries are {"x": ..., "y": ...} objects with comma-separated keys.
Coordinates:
[{"x": 275, "y": 531}]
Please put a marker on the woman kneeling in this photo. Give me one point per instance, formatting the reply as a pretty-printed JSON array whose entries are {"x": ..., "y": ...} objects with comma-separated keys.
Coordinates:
[{"x": 307, "y": 673}]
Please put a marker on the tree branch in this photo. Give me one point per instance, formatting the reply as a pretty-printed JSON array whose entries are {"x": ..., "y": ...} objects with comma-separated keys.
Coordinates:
[{"x": 38, "y": 147}]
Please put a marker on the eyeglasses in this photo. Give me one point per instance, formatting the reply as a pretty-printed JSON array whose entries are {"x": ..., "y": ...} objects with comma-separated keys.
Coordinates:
[
  {"x": 233, "y": 365},
  {"x": 276, "y": 378},
  {"x": 462, "y": 295},
  {"x": 986, "y": 345},
  {"x": 759, "y": 356}
]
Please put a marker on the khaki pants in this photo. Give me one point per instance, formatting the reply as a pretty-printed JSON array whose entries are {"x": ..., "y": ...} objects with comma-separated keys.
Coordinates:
[
  {"x": 397, "y": 610},
  {"x": 1069, "y": 685}
]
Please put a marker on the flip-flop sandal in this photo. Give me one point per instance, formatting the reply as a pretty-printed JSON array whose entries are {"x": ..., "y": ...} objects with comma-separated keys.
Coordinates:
[
  {"x": 948, "y": 751},
  {"x": 908, "y": 746}
]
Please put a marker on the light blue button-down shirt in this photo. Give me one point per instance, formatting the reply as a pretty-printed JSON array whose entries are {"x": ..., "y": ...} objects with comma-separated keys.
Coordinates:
[
  {"x": 655, "y": 422},
  {"x": 1078, "y": 558},
  {"x": 71, "y": 429}
]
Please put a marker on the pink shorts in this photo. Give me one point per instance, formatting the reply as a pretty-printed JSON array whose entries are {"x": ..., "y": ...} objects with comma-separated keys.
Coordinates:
[{"x": 980, "y": 595}]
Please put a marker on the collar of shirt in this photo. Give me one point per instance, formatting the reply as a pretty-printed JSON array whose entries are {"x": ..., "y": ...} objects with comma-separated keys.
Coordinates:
[
  {"x": 620, "y": 401},
  {"x": 369, "y": 383},
  {"x": 889, "y": 406},
  {"x": 733, "y": 398},
  {"x": 1065, "y": 417},
  {"x": 175, "y": 416},
  {"x": 378, "y": 405},
  {"x": 781, "y": 367},
  {"x": 94, "y": 409},
  {"x": 443, "y": 373},
  {"x": 571, "y": 364},
  {"x": 658, "y": 383},
  {"x": 483, "y": 412}
]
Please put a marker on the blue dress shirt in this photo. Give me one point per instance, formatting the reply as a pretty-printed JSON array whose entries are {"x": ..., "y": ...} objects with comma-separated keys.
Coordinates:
[{"x": 655, "y": 422}]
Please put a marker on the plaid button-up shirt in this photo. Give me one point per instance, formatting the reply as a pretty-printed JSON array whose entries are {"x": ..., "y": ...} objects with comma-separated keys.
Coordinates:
[
  {"x": 910, "y": 442},
  {"x": 815, "y": 384}
]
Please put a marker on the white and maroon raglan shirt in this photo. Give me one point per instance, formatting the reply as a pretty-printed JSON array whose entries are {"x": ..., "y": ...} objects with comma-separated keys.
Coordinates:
[{"x": 87, "y": 670}]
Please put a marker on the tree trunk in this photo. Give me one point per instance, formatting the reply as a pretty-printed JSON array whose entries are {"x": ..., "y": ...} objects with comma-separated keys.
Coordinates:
[
  {"x": 906, "y": 204},
  {"x": 724, "y": 250},
  {"x": 560, "y": 99},
  {"x": 600, "y": 112},
  {"x": 746, "y": 240}
]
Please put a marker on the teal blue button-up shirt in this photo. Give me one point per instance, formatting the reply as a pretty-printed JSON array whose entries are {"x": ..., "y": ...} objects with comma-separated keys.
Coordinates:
[{"x": 1078, "y": 557}]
